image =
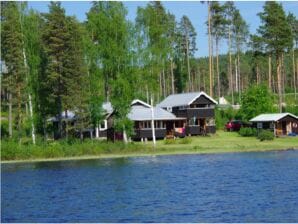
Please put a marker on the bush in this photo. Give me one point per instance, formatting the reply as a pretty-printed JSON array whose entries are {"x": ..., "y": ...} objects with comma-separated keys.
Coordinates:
[
  {"x": 169, "y": 141},
  {"x": 266, "y": 135},
  {"x": 248, "y": 132},
  {"x": 185, "y": 140}
]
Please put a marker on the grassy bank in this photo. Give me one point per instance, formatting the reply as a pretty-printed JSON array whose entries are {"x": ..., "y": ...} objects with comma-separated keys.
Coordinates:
[{"x": 219, "y": 143}]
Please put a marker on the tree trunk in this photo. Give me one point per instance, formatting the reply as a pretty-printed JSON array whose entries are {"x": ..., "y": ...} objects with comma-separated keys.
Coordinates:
[
  {"x": 97, "y": 131},
  {"x": 66, "y": 124},
  {"x": 258, "y": 74},
  {"x": 231, "y": 86},
  {"x": 188, "y": 65},
  {"x": 269, "y": 73},
  {"x": 160, "y": 84},
  {"x": 124, "y": 135},
  {"x": 29, "y": 99},
  {"x": 236, "y": 76},
  {"x": 32, "y": 120},
  {"x": 81, "y": 135},
  {"x": 279, "y": 87},
  {"x": 239, "y": 72},
  {"x": 217, "y": 68},
  {"x": 164, "y": 81},
  {"x": 19, "y": 113},
  {"x": 59, "y": 117},
  {"x": 283, "y": 77},
  {"x": 10, "y": 115},
  {"x": 172, "y": 77},
  {"x": 210, "y": 53},
  {"x": 296, "y": 74},
  {"x": 294, "y": 71}
]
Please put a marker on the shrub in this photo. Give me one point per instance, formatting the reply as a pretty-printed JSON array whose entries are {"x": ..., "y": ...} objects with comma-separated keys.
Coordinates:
[
  {"x": 266, "y": 135},
  {"x": 248, "y": 132},
  {"x": 169, "y": 141},
  {"x": 185, "y": 140}
]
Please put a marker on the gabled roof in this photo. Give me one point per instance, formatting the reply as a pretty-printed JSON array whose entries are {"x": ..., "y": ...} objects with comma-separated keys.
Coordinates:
[
  {"x": 271, "y": 117},
  {"x": 183, "y": 99},
  {"x": 137, "y": 101},
  {"x": 70, "y": 116},
  {"x": 144, "y": 114}
]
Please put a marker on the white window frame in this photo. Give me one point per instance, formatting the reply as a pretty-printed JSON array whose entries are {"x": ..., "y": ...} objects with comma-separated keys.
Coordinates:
[{"x": 105, "y": 126}]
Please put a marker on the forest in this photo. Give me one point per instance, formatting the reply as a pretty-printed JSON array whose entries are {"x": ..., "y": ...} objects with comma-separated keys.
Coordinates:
[{"x": 52, "y": 63}]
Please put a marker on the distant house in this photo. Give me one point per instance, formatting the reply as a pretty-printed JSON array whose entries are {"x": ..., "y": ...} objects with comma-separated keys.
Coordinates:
[
  {"x": 197, "y": 108},
  {"x": 106, "y": 123},
  {"x": 279, "y": 123},
  {"x": 165, "y": 123},
  {"x": 69, "y": 118}
]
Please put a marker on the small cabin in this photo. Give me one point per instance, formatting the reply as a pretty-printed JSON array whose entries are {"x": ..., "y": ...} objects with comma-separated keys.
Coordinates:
[
  {"x": 197, "y": 108},
  {"x": 280, "y": 123},
  {"x": 69, "y": 119}
]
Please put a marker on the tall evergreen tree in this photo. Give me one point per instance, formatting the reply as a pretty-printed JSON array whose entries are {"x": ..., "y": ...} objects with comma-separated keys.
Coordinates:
[
  {"x": 277, "y": 34},
  {"x": 229, "y": 9},
  {"x": 65, "y": 75},
  {"x": 12, "y": 55},
  {"x": 240, "y": 35},
  {"x": 218, "y": 26},
  {"x": 188, "y": 45}
]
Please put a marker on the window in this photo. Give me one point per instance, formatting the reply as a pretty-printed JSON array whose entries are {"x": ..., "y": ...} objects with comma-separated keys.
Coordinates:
[
  {"x": 169, "y": 109},
  {"x": 193, "y": 121},
  {"x": 103, "y": 125}
]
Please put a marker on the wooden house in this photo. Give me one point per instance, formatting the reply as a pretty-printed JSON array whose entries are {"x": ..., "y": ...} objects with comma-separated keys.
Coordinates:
[
  {"x": 279, "y": 123},
  {"x": 165, "y": 123},
  {"x": 69, "y": 119},
  {"x": 197, "y": 108}
]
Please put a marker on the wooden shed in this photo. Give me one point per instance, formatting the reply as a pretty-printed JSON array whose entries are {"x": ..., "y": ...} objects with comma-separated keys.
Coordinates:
[{"x": 280, "y": 123}]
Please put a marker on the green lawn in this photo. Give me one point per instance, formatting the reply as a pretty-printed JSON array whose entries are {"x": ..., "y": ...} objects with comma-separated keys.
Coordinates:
[
  {"x": 231, "y": 142},
  {"x": 221, "y": 142}
]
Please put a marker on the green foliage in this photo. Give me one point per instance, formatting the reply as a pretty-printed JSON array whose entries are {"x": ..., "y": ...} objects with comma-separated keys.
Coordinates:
[
  {"x": 265, "y": 135},
  {"x": 11, "y": 150},
  {"x": 247, "y": 132},
  {"x": 222, "y": 116},
  {"x": 4, "y": 129},
  {"x": 169, "y": 141},
  {"x": 185, "y": 141},
  {"x": 275, "y": 28},
  {"x": 256, "y": 100}
]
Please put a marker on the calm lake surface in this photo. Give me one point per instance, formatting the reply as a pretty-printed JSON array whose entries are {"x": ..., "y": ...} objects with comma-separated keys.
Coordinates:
[{"x": 236, "y": 187}]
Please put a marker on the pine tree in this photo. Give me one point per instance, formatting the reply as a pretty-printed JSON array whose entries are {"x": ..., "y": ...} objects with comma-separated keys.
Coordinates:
[
  {"x": 277, "y": 34},
  {"x": 294, "y": 28},
  {"x": 12, "y": 55},
  {"x": 188, "y": 44},
  {"x": 65, "y": 77},
  {"x": 240, "y": 35},
  {"x": 229, "y": 9},
  {"x": 218, "y": 25}
]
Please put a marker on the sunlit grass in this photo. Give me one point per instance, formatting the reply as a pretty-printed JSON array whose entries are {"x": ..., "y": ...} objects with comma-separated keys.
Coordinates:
[{"x": 218, "y": 143}]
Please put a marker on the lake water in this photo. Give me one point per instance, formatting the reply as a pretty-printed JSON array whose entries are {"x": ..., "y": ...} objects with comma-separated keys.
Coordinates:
[{"x": 236, "y": 187}]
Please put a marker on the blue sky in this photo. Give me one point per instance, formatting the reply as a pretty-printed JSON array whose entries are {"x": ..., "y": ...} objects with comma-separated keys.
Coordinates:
[{"x": 196, "y": 11}]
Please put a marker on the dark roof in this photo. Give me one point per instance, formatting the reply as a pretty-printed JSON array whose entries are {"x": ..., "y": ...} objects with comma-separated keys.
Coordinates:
[{"x": 183, "y": 99}]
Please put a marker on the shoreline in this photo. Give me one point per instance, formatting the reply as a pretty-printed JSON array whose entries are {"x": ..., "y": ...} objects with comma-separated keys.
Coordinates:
[{"x": 132, "y": 155}]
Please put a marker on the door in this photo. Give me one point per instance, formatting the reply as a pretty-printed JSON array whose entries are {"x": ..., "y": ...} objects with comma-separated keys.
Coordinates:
[{"x": 284, "y": 127}]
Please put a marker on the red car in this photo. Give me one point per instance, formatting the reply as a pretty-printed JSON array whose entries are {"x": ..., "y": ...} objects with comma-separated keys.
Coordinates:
[{"x": 234, "y": 125}]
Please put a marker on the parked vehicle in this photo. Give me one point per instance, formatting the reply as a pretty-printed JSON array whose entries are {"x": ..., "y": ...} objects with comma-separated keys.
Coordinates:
[{"x": 235, "y": 125}]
